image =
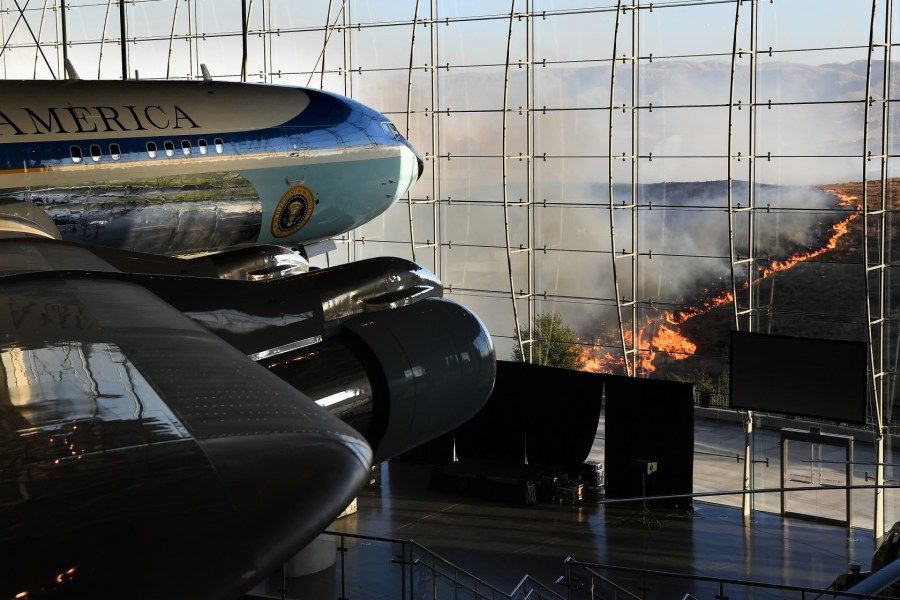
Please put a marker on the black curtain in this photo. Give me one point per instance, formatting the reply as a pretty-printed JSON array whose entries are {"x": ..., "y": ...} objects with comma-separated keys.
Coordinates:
[
  {"x": 551, "y": 414},
  {"x": 649, "y": 421}
]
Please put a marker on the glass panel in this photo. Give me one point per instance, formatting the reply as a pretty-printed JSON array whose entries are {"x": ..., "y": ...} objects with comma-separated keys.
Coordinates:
[
  {"x": 474, "y": 42},
  {"x": 391, "y": 226},
  {"x": 692, "y": 30},
  {"x": 803, "y": 25},
  {"x": 822, "y": 467},
  {"x": 796, "y": 130},
  {"x": 863, "y": 500},
  {"x": 476, "y": 268},
  {"x": 580, "y": 34},
  {"x": 685, "y": 132},
  {"x": 482, "y": 224}
]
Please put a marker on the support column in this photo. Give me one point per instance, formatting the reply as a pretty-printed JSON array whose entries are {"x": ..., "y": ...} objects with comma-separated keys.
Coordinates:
[{"x": 747, "y": 498}]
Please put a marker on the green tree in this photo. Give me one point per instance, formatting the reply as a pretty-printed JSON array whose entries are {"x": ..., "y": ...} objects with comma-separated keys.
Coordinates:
[{"x": 555, "y": 344}]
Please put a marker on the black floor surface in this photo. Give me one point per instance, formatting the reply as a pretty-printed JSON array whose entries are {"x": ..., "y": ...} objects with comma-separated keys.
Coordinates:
[{"x": 501, "y": 542}]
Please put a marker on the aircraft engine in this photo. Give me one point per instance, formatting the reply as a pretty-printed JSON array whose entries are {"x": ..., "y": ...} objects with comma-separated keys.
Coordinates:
[
  {"x": 400, "y": 377},
  {"x": 371, "y": 341}
]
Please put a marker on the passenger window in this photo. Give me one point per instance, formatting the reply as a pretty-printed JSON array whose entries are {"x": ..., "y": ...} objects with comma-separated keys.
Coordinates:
[
  {"x": 202, "y": 145},
  {"x": 115, "y": 152},
  {"x": 75, "y": 153},
  {"x": 96, "y": 152},
  {"x": 170, "y": 148},
  {"x": 151, "y": 149},
  {"x": 220, "y": 145},
  {"x": 186, "y": 147}
]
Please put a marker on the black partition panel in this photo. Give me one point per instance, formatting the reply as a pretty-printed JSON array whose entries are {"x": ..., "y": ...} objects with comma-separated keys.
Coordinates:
[
  {"x": 546, "y": 414},
  {"x": 549, "y": 415},
  {"x": 649, "y": 439}
]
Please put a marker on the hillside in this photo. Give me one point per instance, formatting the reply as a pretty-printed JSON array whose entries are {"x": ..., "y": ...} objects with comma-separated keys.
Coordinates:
[{"x": 819, "y": 291}]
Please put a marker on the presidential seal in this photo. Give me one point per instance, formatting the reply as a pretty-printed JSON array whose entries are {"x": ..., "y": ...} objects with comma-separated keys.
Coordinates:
[{"x": 293, "y": 211}]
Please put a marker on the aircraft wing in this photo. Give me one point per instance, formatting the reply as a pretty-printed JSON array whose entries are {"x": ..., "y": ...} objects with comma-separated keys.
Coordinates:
[{"x": 140, "y": 454}]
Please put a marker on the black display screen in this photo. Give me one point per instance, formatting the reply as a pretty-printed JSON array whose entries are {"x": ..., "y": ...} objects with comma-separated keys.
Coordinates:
[{"x": 810, "y": 377}]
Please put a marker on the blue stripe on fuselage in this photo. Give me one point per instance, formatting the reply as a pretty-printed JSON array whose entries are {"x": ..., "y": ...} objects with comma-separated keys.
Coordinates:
[
  {"x": 329, "y": 121},
  {"x": 337, "y": 150}
]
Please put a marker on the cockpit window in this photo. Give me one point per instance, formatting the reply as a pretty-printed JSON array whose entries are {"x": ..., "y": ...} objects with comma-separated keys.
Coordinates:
[{"x": 391, "y": 130}]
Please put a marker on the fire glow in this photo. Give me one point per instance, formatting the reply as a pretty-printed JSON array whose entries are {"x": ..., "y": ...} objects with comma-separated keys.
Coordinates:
[{"x": 657, "y": 334}]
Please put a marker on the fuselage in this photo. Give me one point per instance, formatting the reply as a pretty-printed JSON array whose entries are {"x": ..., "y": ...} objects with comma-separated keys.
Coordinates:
[{"x": 178, "y": 167}]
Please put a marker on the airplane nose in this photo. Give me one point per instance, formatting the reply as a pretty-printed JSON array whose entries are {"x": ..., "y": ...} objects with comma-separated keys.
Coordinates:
[
  {"x": 419, "y": 160},
  {"x": 413, "y": 172}
]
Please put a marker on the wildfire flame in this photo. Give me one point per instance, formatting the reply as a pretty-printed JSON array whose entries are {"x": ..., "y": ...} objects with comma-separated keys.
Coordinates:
[
  {"x": 839, "y": 230},
  {"x": 705, "y": 306},
  {"x": 673, "y": 343},
  {"x": 670, "y": 341}
]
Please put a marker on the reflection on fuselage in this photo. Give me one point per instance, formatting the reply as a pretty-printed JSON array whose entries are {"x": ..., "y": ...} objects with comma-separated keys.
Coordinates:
[{"x": 82, "y": 398}]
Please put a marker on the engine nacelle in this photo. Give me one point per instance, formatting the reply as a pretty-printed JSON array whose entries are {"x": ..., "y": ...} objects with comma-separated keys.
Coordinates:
[
  {"x": 401, "y": 377},
  {"x": 24, "y": 219}
]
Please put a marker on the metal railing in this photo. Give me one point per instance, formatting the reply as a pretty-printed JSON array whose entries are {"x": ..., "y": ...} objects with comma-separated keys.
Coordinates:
[
  {"x": 591, "y": 580},
  {"x": 418, "y": 574},
  {"x": 442, "y": 575}
]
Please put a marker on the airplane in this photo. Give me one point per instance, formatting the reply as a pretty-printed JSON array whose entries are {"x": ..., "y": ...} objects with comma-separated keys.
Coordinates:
[
  {"x": 179, "y": 423},
  {"x": 182, "y": 167}
]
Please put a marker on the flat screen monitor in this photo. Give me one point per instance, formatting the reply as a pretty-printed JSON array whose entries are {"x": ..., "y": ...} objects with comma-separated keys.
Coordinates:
[{"x": 808, "y": 377}]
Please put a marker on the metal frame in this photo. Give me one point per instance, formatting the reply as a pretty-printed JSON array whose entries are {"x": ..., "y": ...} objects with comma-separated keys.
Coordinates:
[
  {"x": 822, "y": 439},
  {"x": 626, "y": 307},
  {"x": 875, "y": 255}
]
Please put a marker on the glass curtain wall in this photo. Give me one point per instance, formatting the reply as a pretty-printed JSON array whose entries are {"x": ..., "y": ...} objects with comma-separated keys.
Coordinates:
[{"x": 657, "y": 174}]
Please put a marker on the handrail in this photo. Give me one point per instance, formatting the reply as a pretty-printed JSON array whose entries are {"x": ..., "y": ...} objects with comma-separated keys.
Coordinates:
[
  {"x": 370, "y": 538},
  {"x": 611, "y": 583},
  {"x": 481, "y": 589},
  {"x": 473, "y": 589},
  {"x": 571, "y": 562},
  {"x": 772, "y": 490},
  {"x": 543, "y": 590}
]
